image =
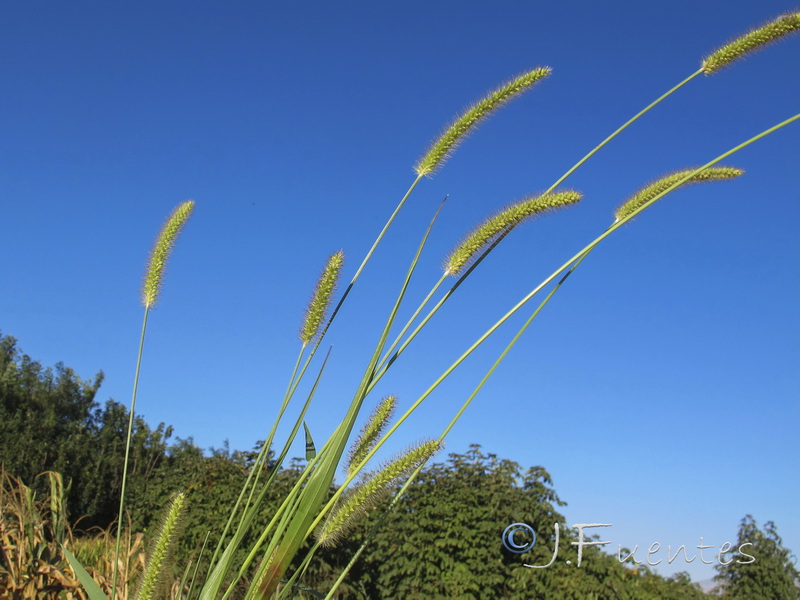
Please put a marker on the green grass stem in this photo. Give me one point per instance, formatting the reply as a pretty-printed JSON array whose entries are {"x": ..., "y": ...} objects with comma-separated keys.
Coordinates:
[
  {"x": 197, "y": 566},
  {"x": 369, "y": 255},
  {"x": 622, "y": 128},
  {"x": 128, "y": 438},
  {"x": 255, "y": 472}
]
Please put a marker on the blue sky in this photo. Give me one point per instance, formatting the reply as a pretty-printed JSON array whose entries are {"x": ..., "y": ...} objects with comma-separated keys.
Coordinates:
[{"x": 659, "y": 388}]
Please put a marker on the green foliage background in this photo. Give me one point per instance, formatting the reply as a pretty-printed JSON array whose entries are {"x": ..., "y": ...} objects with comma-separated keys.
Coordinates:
[
  {"x": 441, "y": 541},
  {"x": 772, "y": 575}
]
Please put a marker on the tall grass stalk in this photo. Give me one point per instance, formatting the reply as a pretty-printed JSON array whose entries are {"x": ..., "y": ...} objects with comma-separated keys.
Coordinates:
[
  {"x": 153, "y": 281},
  {"x": 569, "y": 264},
  {"x": 128, "y": 438},
  {"x": 579, "y": 256},
  {"x": 310, "y": 502},
  {"x": 390, "y": 358},
  {"x": 310, "y": 330},
  {"x": 294, "y": 382},
  {"x": 751, "y": 42},
  {"x": 221, "y": 567},
  {"x": 687, "y": 177},
  {"x": 441, "y": 149}
]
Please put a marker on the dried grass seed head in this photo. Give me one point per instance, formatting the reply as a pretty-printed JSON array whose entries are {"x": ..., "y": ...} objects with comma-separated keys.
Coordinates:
[{"x": 451, "y": 137}]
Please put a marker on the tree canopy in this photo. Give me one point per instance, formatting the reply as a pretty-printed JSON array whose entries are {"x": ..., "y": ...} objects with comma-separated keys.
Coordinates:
[
  {"x": 442, "y": 540},
  {"x": 762, "y": 569}
]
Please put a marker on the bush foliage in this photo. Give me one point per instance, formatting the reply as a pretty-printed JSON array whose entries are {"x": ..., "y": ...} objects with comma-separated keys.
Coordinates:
[{"x": 442, "y": 541}]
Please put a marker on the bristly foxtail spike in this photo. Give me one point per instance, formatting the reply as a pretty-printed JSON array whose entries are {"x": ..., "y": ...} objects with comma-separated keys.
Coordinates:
[
  {"x": 165, "y": 541},
  {"x": 500, "y": 224},
  {"x": 154, "y": 276},
  {"x": 650, "y": 191},
  {"x": 752, "y": 41},
  {"x": 447, "y": 142},
  {"x": 321, "y": 298},
  {"x": 370, "y": 433},
  {"x": 359, "y": 499}
]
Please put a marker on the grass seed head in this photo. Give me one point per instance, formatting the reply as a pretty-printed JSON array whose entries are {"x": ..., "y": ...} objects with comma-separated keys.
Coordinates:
[
  {"x": 650, "y": 191},
  {"x": 321, "y": 298},
  {"x": 498, "y": 226},
  {"x": 166, "y": 538},
  {"x": 161, "y": 250},
  {"x": 357, "y": 501},
  {"x": 369, "y": 435},
  {"x": 447, "y": 142},
  {"x": 752, "y": 41}
]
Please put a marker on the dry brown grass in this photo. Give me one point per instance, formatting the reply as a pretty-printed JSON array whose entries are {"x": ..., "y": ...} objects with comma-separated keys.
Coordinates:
[{"x": 32, "y": 530}]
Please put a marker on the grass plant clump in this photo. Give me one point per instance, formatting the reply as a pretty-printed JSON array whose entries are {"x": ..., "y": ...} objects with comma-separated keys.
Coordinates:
[
  {"x": 315, "y": 507},
  {"x": 33, "y": 531}
]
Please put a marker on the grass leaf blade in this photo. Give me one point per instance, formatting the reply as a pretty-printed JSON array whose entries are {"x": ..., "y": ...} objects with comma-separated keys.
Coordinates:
[{"x": 92, "y": 589}]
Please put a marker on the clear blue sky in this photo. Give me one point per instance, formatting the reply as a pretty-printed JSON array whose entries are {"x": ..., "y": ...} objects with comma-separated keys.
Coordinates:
[{"x": 660, "y": 388}]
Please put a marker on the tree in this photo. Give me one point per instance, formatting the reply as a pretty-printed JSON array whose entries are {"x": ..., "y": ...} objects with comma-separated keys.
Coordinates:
[
  {"x": 763, "y": 570},
  {"x": 45, "y": 416},
  {"x": 49, "y": 421},
  {"x": 444, "y": 541}
]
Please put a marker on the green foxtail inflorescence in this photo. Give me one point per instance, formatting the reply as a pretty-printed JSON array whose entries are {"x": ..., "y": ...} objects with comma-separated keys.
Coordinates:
[
  {"x": 752, "y": 41},
  {"x": 361, "y": 498},
  {"x": 158, "y": 561},
  {"x": 441, "y": 149},
  {"x": 369, "y": 435},
  {"x": 154, "y": 277},
  {"x": 321, "y": 298},
  {"x": 650, "y": 191},
  {"x": 499, "y": 225}
]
